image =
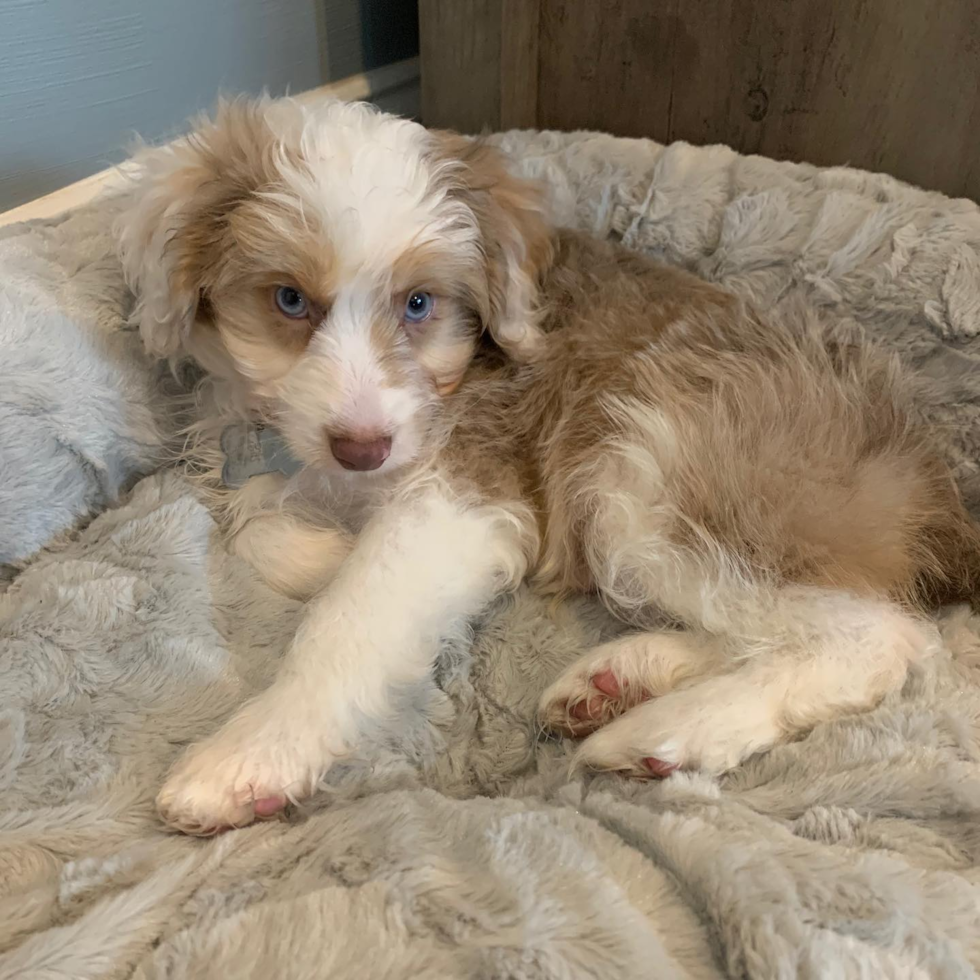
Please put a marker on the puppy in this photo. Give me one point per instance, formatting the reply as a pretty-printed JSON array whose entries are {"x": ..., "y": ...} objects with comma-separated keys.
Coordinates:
[{"x": 477, "y": 397}]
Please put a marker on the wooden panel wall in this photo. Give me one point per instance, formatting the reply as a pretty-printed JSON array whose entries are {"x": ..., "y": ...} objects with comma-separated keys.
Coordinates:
[
  {"x": 889, "y": 85},
  {"x": 480, "y": 63}
]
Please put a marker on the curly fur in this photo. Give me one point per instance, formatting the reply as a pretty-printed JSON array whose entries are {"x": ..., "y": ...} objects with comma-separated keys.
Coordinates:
[{"x": 570, "y": 411}]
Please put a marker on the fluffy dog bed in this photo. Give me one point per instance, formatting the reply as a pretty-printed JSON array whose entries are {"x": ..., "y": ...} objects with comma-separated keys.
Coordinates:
[{"x": 457, "y": 846}]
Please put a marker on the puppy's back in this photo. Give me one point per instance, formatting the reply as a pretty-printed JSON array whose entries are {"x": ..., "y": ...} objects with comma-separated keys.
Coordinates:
[{"x": 793, "y": 447}]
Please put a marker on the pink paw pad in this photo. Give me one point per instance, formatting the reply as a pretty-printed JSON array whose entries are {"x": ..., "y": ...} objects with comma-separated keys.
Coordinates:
[
  {"x": 658, "y": 768},
  {"x": 608, "y": 697},
  {"x": 593, "y": 707},
  {"x": 269, "y": 806},
  {"x": 607, "y": 682}
]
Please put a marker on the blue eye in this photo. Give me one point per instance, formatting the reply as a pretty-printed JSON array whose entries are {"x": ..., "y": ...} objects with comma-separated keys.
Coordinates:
[
  {"x": 419, "y": 306},
  {"x": 291, "y": 302}
]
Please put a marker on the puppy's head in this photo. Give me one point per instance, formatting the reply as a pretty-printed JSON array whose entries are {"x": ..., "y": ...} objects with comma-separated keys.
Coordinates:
[{"x": 336, "y": 265}]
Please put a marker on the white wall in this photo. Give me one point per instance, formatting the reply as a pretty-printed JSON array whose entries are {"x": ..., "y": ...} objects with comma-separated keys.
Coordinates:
[{"x": 79, "y": 77}]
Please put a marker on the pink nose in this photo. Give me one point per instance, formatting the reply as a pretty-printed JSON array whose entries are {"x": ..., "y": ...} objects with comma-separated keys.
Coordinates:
[{"x": 358, "y": 454}]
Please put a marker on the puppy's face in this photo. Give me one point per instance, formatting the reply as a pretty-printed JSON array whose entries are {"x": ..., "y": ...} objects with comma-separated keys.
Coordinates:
[
  {"x": 337, "y": 266},
  {"x": 348, "y": 363},
  {"x": 345, "y": 312}
]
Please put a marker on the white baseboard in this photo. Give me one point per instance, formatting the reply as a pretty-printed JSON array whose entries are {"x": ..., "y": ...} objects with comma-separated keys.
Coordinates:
[{"x": 370, "y": 85}]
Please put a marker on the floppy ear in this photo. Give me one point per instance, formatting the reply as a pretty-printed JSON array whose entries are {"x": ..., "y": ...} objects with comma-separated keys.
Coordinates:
[
  {"x": 517, "y": 241},
  {"x": 170, "y": 235},
  {"x": 152, "y": 240}
]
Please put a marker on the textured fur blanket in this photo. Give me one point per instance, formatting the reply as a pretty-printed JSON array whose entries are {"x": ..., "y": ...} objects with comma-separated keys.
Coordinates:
[{"x": 456, "y": 846}]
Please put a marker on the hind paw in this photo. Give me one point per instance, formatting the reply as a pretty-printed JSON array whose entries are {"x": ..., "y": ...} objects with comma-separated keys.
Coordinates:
[{"x": 615, "y": 677}]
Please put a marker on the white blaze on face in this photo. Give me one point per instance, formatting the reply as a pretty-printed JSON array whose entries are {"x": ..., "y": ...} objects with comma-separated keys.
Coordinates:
[{"x": 346, "y": 341}]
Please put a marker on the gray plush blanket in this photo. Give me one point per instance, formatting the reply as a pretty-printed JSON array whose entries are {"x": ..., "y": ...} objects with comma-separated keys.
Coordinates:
[{"x": 456, "y": 845}]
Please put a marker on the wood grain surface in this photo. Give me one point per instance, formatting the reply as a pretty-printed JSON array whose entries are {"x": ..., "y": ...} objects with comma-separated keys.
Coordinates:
[{"x": 890, "y": 85}]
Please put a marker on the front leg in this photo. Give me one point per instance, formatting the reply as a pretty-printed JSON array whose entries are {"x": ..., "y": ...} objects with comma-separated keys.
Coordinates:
[{"x": 420, "y": 565}]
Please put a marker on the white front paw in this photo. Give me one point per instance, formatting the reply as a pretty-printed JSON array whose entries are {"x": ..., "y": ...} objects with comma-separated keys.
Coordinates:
[
  {"x": 712, "y": 726},
  {"x": 245, "y": 771}
]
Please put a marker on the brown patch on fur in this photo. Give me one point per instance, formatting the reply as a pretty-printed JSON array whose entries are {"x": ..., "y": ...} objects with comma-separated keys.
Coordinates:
[
  {"x": 792, "y": 453},
  {"x": 445, "y": 343},
  {"x": 233, "y": 160},
  {"x": 437, "y": 269},
  {"x": 270, "y": 242}
]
